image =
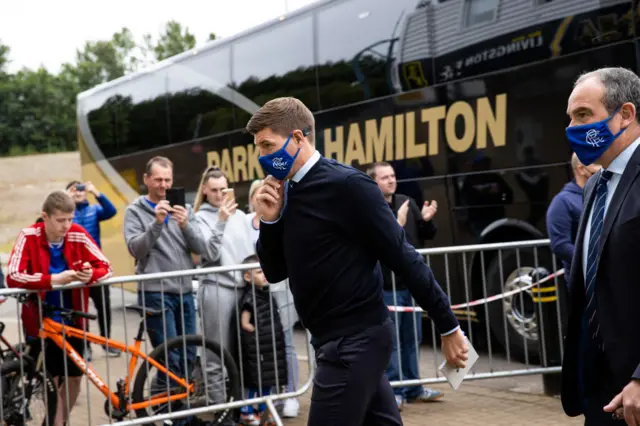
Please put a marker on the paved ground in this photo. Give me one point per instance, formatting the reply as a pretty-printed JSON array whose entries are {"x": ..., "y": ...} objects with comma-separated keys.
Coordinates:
[{"x": 510, "y": 401}]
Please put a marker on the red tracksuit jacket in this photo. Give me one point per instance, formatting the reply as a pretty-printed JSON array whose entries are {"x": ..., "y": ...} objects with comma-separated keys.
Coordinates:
[{"x": 29, "y": 268}]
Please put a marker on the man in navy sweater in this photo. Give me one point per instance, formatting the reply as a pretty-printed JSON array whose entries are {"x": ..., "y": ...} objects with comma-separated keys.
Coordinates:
[
  {"x": 89, "y": 217},
  {"x": 563, "y": 214},
  {"x": 327, "y": 228}
]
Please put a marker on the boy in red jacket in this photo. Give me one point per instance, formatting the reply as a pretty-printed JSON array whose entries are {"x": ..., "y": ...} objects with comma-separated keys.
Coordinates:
[{"x": 44, "y": 254}]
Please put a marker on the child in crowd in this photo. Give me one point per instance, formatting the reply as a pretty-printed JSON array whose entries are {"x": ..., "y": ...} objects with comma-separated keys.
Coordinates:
[{"x": 265, "y": 365}]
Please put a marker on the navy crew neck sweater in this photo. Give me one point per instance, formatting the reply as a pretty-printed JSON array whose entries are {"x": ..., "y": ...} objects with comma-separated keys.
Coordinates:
[{"x": 334, "y": 230}]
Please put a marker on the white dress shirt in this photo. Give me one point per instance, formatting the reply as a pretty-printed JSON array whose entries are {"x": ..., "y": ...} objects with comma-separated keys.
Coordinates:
[{"x": 617, "y": 167}]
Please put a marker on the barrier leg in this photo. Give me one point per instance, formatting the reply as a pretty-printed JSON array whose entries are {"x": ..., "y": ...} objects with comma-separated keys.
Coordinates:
[{"x": 274, "y": 412}]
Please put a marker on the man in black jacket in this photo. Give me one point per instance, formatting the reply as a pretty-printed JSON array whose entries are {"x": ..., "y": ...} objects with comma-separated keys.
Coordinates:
[
  {"x": 418, "y": 226},
  {"x": 327, "y": 228}
]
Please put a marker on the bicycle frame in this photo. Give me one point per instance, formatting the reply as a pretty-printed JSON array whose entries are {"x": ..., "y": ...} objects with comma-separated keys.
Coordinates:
[{"x": 57, "y": 332}]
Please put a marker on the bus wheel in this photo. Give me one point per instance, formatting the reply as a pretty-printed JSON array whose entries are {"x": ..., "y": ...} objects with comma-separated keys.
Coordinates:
[{"x": 514, "y": 319}]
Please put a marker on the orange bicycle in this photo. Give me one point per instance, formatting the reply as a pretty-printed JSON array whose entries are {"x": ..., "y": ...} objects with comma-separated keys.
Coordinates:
[{"x": 170, "y": 388}]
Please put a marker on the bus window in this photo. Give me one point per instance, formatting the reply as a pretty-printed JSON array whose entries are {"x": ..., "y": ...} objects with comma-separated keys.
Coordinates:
[
  {"x": 201, "y": 102},
  {"x": 480, "y": 11},
  {"x": 129, "y": 117},
  {"x": 274, "y": 62},
  {"x": 356, "y": 39}
]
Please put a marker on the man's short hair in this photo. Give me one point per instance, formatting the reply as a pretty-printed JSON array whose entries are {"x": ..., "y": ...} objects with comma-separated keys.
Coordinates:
[
  {"x": 60, "y": 201},
  {"x": 283, "y": 116},
  {"x": 161, "y": 161},
  {"x": 73, "y": 182},
  {"x": 621, "y": 85},
  {"x": 371, "y": 170},
  {"x": 251, "y": 259}
]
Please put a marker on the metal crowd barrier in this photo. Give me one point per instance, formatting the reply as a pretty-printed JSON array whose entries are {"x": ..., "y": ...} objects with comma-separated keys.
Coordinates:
[
  {"x": 508, "y": 298},
  {"x": 510, "y": 302},
  {"x": 108, "y": 372}
]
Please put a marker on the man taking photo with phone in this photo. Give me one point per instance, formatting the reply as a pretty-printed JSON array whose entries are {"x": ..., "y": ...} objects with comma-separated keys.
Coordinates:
[
  {"x": 89, "y": 217},
  {"x": 161, "y": 238}
]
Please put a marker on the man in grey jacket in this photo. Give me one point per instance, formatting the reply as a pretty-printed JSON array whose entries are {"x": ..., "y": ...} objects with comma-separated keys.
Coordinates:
[{"x": 161, "y": 238}]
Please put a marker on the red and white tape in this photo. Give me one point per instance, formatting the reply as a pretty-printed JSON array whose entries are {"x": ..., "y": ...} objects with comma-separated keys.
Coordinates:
[{"x": 486, "y": 299}]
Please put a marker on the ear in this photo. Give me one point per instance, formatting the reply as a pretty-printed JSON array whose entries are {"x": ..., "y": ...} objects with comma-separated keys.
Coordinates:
[
  {"x": 44, "y": 215},
  {"x": 628, "y": 113}
]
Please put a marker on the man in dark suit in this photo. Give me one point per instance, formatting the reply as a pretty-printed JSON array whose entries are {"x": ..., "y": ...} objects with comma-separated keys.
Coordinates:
[{"x": 601, "y": 366}]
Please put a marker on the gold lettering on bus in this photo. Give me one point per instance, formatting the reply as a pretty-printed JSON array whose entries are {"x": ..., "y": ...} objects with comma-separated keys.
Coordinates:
[
  {"x": 334, "y": 146},
  {"x": 490, "y": 122},
  {"x": 400, "y": 137},
  {"x": 431, "y": 116},
  {"x": 465, "y": 112},
  {"x": 414, "y": 150},
  {"x": 355, "y": 149},
  {"x": 379, "y": 143},
  {"x": 391, "y": 137},
  {"x": 245, "y": 165}
]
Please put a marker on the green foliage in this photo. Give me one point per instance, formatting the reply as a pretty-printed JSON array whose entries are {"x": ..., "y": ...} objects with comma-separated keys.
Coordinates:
[{"x": 38, "y": 108}]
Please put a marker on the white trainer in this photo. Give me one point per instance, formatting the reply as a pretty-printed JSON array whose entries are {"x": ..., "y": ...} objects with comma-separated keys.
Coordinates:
[{"x": 291, "y": 408}]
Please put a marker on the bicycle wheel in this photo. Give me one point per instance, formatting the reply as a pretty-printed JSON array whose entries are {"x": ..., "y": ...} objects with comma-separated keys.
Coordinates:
[
  {"x": 26, "y": 384},
  {"x": 211, "y": 385}
]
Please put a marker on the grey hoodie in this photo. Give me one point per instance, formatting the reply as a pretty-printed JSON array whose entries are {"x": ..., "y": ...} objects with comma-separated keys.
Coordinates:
[
  {"x": 227, "y": 243},
  {"x": 161, "y": 247}
]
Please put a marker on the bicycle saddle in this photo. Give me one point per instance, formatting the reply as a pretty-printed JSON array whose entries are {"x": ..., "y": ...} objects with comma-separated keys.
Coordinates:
[{"x": 150, "y": 312}]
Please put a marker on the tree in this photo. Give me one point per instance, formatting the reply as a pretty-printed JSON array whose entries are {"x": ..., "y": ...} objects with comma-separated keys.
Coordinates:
[
  {"x": 102, "y": 61},
  {"x": 4, "y": 57},
  {"x": 173, "y": 41},
  {"x": 38, "y": 108}
]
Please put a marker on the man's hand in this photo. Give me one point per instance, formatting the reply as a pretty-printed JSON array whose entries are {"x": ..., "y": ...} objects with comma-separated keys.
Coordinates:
[
  {"x": 162, "y": 211},
  {"x": 455, "y": 349},
  {"x": 402, "y": 213},
  {"x": 629, "y": 400},
  {"x": 64, "y": 277},
  {"x": 429, "y": 210},
  {"x": 85, "y": 273},
  {"x": 270, "y": 199},
  {"x": 89, "y": 187},
  {"x": 180, "y": 215},
  {"x": 227, "y": 209}
]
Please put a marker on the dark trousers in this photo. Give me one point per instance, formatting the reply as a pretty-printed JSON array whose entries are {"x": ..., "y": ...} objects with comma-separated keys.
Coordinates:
[
  {"x": 102, "y": 300},
  {"x": 350, "y": 386},
  {"x": 598, "y": 393}
]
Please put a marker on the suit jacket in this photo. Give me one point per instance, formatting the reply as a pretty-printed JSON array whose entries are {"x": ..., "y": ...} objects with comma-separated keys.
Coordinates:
[{"x": 617, "y": 288}]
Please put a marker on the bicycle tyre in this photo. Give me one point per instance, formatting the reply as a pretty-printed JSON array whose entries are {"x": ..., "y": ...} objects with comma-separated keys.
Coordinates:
[
  {"x": 11, "y": 369},
  {"x": 158, "y": 354}
]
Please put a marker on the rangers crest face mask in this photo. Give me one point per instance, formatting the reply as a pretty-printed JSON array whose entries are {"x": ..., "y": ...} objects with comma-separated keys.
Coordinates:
[
  {"x": 590, "y": 141},
  {"x": 278, "y": 164}
]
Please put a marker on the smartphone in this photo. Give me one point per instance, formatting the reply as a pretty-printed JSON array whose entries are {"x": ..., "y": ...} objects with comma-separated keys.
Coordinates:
[
  {"x": 80, "y": 187},
  {"x": 230, "y": 195},
  {"x": 175, "y": 197}
]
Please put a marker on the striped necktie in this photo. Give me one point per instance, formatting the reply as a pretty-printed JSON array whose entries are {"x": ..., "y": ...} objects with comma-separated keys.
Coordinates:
[{"x": 597, "y": 222}]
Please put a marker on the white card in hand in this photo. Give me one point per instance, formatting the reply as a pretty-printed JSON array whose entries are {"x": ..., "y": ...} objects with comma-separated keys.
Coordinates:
[{"x": 456, "y": 375}]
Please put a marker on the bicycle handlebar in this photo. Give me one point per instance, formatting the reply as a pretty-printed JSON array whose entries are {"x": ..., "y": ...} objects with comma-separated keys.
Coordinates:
[{"x": 70, "y": 312}]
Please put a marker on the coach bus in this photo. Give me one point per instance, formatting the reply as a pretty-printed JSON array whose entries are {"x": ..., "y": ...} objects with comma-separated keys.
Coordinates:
[{"x": 465, "y": 98}]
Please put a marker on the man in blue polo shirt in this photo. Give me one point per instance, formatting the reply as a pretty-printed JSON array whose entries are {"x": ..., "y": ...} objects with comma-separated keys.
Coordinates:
[{"x": 327, "y": 228}]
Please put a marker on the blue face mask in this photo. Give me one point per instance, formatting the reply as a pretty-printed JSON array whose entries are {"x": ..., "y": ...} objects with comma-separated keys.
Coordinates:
[
  {"x": 590, "y": 141},
  {"x": 278, "y": 164}
]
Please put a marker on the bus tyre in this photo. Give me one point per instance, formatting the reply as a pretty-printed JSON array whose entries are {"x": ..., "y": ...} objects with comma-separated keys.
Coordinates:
[{"x": 514, "y": 319}]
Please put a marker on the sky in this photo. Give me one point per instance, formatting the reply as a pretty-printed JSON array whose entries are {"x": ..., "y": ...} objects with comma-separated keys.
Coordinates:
[{"x": 48, "y": 32}]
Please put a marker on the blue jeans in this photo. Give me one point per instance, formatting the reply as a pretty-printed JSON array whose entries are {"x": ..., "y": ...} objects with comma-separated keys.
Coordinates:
[
  {"x": 177, "y": 316},
  {"x": 408, "y": 327},
  {"x": 292, "y": 361}
]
